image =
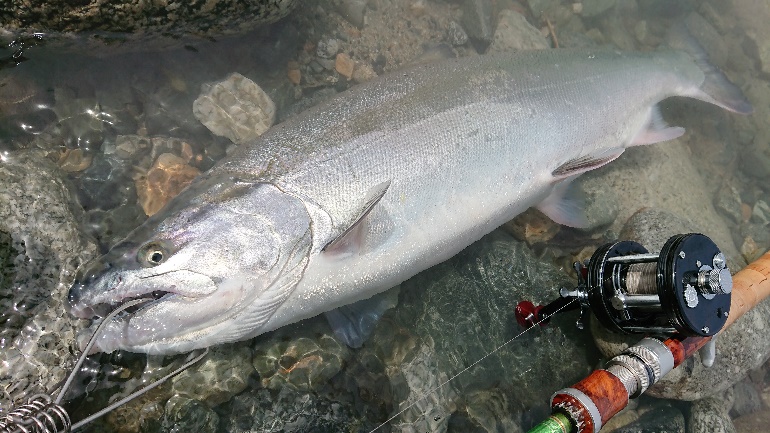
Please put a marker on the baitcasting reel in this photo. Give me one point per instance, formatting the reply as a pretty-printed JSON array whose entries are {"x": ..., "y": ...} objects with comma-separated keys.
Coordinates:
[{"x": 686, "y": 289}]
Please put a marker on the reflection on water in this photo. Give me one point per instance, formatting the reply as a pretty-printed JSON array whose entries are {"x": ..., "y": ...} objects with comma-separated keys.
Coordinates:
[{"x": 93, "y": 139}]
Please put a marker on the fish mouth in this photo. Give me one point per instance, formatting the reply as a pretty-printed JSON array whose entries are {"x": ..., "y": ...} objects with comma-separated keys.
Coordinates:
[{"x": 83, "y": 309}]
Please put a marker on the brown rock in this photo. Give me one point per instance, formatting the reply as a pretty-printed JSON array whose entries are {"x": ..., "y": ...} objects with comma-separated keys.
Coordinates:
[
  {"x": 532, "y": 226},
  {"x": 344, "y": 65},
  {"x": 294, "y": 76},
  {"x": 74, "y": 160},
  {"x": 164, "y": 180}
]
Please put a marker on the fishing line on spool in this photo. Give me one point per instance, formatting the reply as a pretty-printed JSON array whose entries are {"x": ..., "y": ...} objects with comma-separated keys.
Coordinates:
[
  {"x": 442, "y": 384},
  {"x": 44, "y": 414}
]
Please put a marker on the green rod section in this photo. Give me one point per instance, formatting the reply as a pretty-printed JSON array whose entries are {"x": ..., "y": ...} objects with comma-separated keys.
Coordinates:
[{"x": 556, "y": 423}]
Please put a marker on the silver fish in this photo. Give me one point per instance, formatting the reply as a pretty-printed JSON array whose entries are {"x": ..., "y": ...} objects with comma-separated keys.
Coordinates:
[{"x": 385, "y": 180}]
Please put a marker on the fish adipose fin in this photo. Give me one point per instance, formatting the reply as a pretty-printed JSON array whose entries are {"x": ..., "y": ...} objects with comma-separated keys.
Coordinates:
[
  {"x": 352, "y": 324},
  {"x": 352, "y": 236},
  {"x": 716, "y": 88},
  {"x": 656, "y": 130},
  {"x": 565, "y": 205}
]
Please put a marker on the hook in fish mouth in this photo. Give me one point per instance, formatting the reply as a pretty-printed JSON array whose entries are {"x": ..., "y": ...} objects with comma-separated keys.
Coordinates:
[{"x": 102, "y": 309}]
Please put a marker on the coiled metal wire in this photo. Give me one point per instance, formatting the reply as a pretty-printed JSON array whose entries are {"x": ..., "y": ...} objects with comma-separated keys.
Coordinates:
[
  {"x": 44, "y": 414},
  {"x": 39, "y": 415}
]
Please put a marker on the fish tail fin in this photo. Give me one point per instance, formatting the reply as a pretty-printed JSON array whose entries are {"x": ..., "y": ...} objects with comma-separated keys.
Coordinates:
[{"x": 716, "y": 88}]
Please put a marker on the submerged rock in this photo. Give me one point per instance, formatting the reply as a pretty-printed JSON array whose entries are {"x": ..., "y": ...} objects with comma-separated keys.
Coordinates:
[
  {"x": 236, "y": 108},
  {"x": 42, "y": 246}
]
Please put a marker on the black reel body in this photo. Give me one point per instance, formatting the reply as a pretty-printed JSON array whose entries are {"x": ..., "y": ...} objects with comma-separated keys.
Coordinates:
[{"x": 685, "y": 288}]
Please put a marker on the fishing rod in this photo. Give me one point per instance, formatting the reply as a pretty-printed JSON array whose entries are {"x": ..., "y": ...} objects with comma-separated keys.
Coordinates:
[{"x": 680, "y": 298}]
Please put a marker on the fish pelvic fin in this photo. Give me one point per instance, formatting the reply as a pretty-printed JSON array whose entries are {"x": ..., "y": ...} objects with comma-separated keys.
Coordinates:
[
  {"x": 565, "y": 205},
  {"x": 352, "y": 236},
  {"x": 716, "y": 88}
]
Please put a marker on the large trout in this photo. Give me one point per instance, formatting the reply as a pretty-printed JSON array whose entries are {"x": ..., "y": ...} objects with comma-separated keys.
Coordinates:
[{"x": 383, "y": 181}]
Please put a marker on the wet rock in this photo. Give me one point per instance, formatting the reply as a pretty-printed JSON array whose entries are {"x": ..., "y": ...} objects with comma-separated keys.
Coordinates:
[
  {"x": 492, "y": 411},
  {"x": 452, "y": 314},
  {"x": 663, "y": 418},
  {"x": 288, "y": 410},
  {"x": 513, "y": 32},
  {"x": 304, "y": 362},
  {"x": 222, "y": 374},
  {"x": 144, "y": 414},
  {"x": 82, "y": 122},
  {"x": 760, "y": 213},
  {"x": 709, "y": 415},
  {"x": 344, "y": 65},
  {"x": 353, "y": 11},
  {"x": 532, "y": 227},
  {"x": 172, "y": 19},
  {"x": 592, "y": 8},
  {"x": 165, "y": 179},
  {"x": 327, "y": 48},
  {"x": 184, "y": 414},
  {"x": 653, "y": 227},
  {"x": 456, "y": 34},
  {"x": 40, "y": 226},
  {"x": 363, "y": 72},
  {"x": 74, "y": 160},
  {"x": 753, "y": 17},
  {"x": 541, "y": 8},
  {"x": 477, "y": 19},
  {"x": 236, "y": 108},
  {"x": 752, "y": 423},
  {"x": 633, "y": 178},
  {"x": 708, "y": 38},
  {"x": 747, "y": 399},
  {"x": 728, "y": 202},
  {"x": 600, "y": 205}
]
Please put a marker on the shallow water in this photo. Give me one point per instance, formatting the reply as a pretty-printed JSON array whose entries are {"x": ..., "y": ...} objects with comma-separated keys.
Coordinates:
[{"x": 82, "y": 125}]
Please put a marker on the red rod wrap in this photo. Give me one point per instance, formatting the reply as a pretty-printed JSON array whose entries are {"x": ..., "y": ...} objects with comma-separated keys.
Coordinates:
[{"x": 606, "y": 392}]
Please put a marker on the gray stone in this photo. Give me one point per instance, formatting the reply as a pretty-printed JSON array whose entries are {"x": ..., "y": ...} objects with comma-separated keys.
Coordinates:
[
  {"x": 458, "y": 311},
  {"x": 477, "y": 19},
  {"x": 353, "y": 11},
  {"x": 708, "y": 38},
  {"x": 540, "y": 8},
  {"x": 600, "y": 205},
  {"x": 514, "y": 32},
  {"x": 236, "y": 108},
  {"x": 287, "y": 410},
  {"x": 42, "y": 247},
  {"x": 456, "y": 34},
  {"x": 184, "y": 414},
  {"x": 760, "y": 214},
  {"x": 328, "y": 48},
  {"x": 747, "y": 399},
  {"x": 753, "y": 17},
  {"x": 593, "y": 8},
  {"x": 663, "y": 418},
  {"x": 728, "y": 202},
  {"x": 222, "y": 374},
  {"x": 709, "y": 415}
]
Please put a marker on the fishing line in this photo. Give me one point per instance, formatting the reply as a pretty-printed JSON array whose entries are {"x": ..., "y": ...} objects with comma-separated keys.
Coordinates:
[{"x": 468, "y": 368}]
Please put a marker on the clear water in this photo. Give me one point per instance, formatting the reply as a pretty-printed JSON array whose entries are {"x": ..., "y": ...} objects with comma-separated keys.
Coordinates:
[{"x": 68, "y": 110}]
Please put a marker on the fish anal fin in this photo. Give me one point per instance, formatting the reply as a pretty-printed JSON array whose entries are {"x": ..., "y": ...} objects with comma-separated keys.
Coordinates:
[
  {"x": 565, "y": 205},
  {"x": 352, "y": 236},
  {"x": 585, "y": 163},
  {"x": 656, "y": 130},
  {"x": 353, "y": 323}
]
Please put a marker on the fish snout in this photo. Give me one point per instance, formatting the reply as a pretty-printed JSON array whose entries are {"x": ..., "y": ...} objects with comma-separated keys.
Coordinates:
[{"x": 86, "y": 276}]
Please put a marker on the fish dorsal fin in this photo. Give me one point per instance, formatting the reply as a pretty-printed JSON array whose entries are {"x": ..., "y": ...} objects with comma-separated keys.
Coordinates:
[
  {"x": 353, "y": 233},
  {"x": 582, "y": 164},
  {"x": 656, "y": 130}
]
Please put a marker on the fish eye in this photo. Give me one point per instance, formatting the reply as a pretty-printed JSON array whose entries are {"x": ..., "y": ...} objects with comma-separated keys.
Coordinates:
[{"x": 152, "y": 254}]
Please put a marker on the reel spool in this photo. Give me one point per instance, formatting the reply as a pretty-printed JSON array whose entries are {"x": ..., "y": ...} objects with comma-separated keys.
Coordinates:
[{"x": 685, "y": 288}]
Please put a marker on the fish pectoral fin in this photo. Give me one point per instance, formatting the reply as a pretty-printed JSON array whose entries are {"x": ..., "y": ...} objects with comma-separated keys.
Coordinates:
[
  {"x": 565, "y": 205},
  {"x": 585, "y": 163},
  {"x": 656, "y": 130},
  {"x": 353, "y": 323},
  {"x": 352, "y": 235}
]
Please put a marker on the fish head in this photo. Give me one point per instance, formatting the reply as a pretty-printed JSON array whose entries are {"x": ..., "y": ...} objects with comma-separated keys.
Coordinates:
[{"x": 213, "y": 267}]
